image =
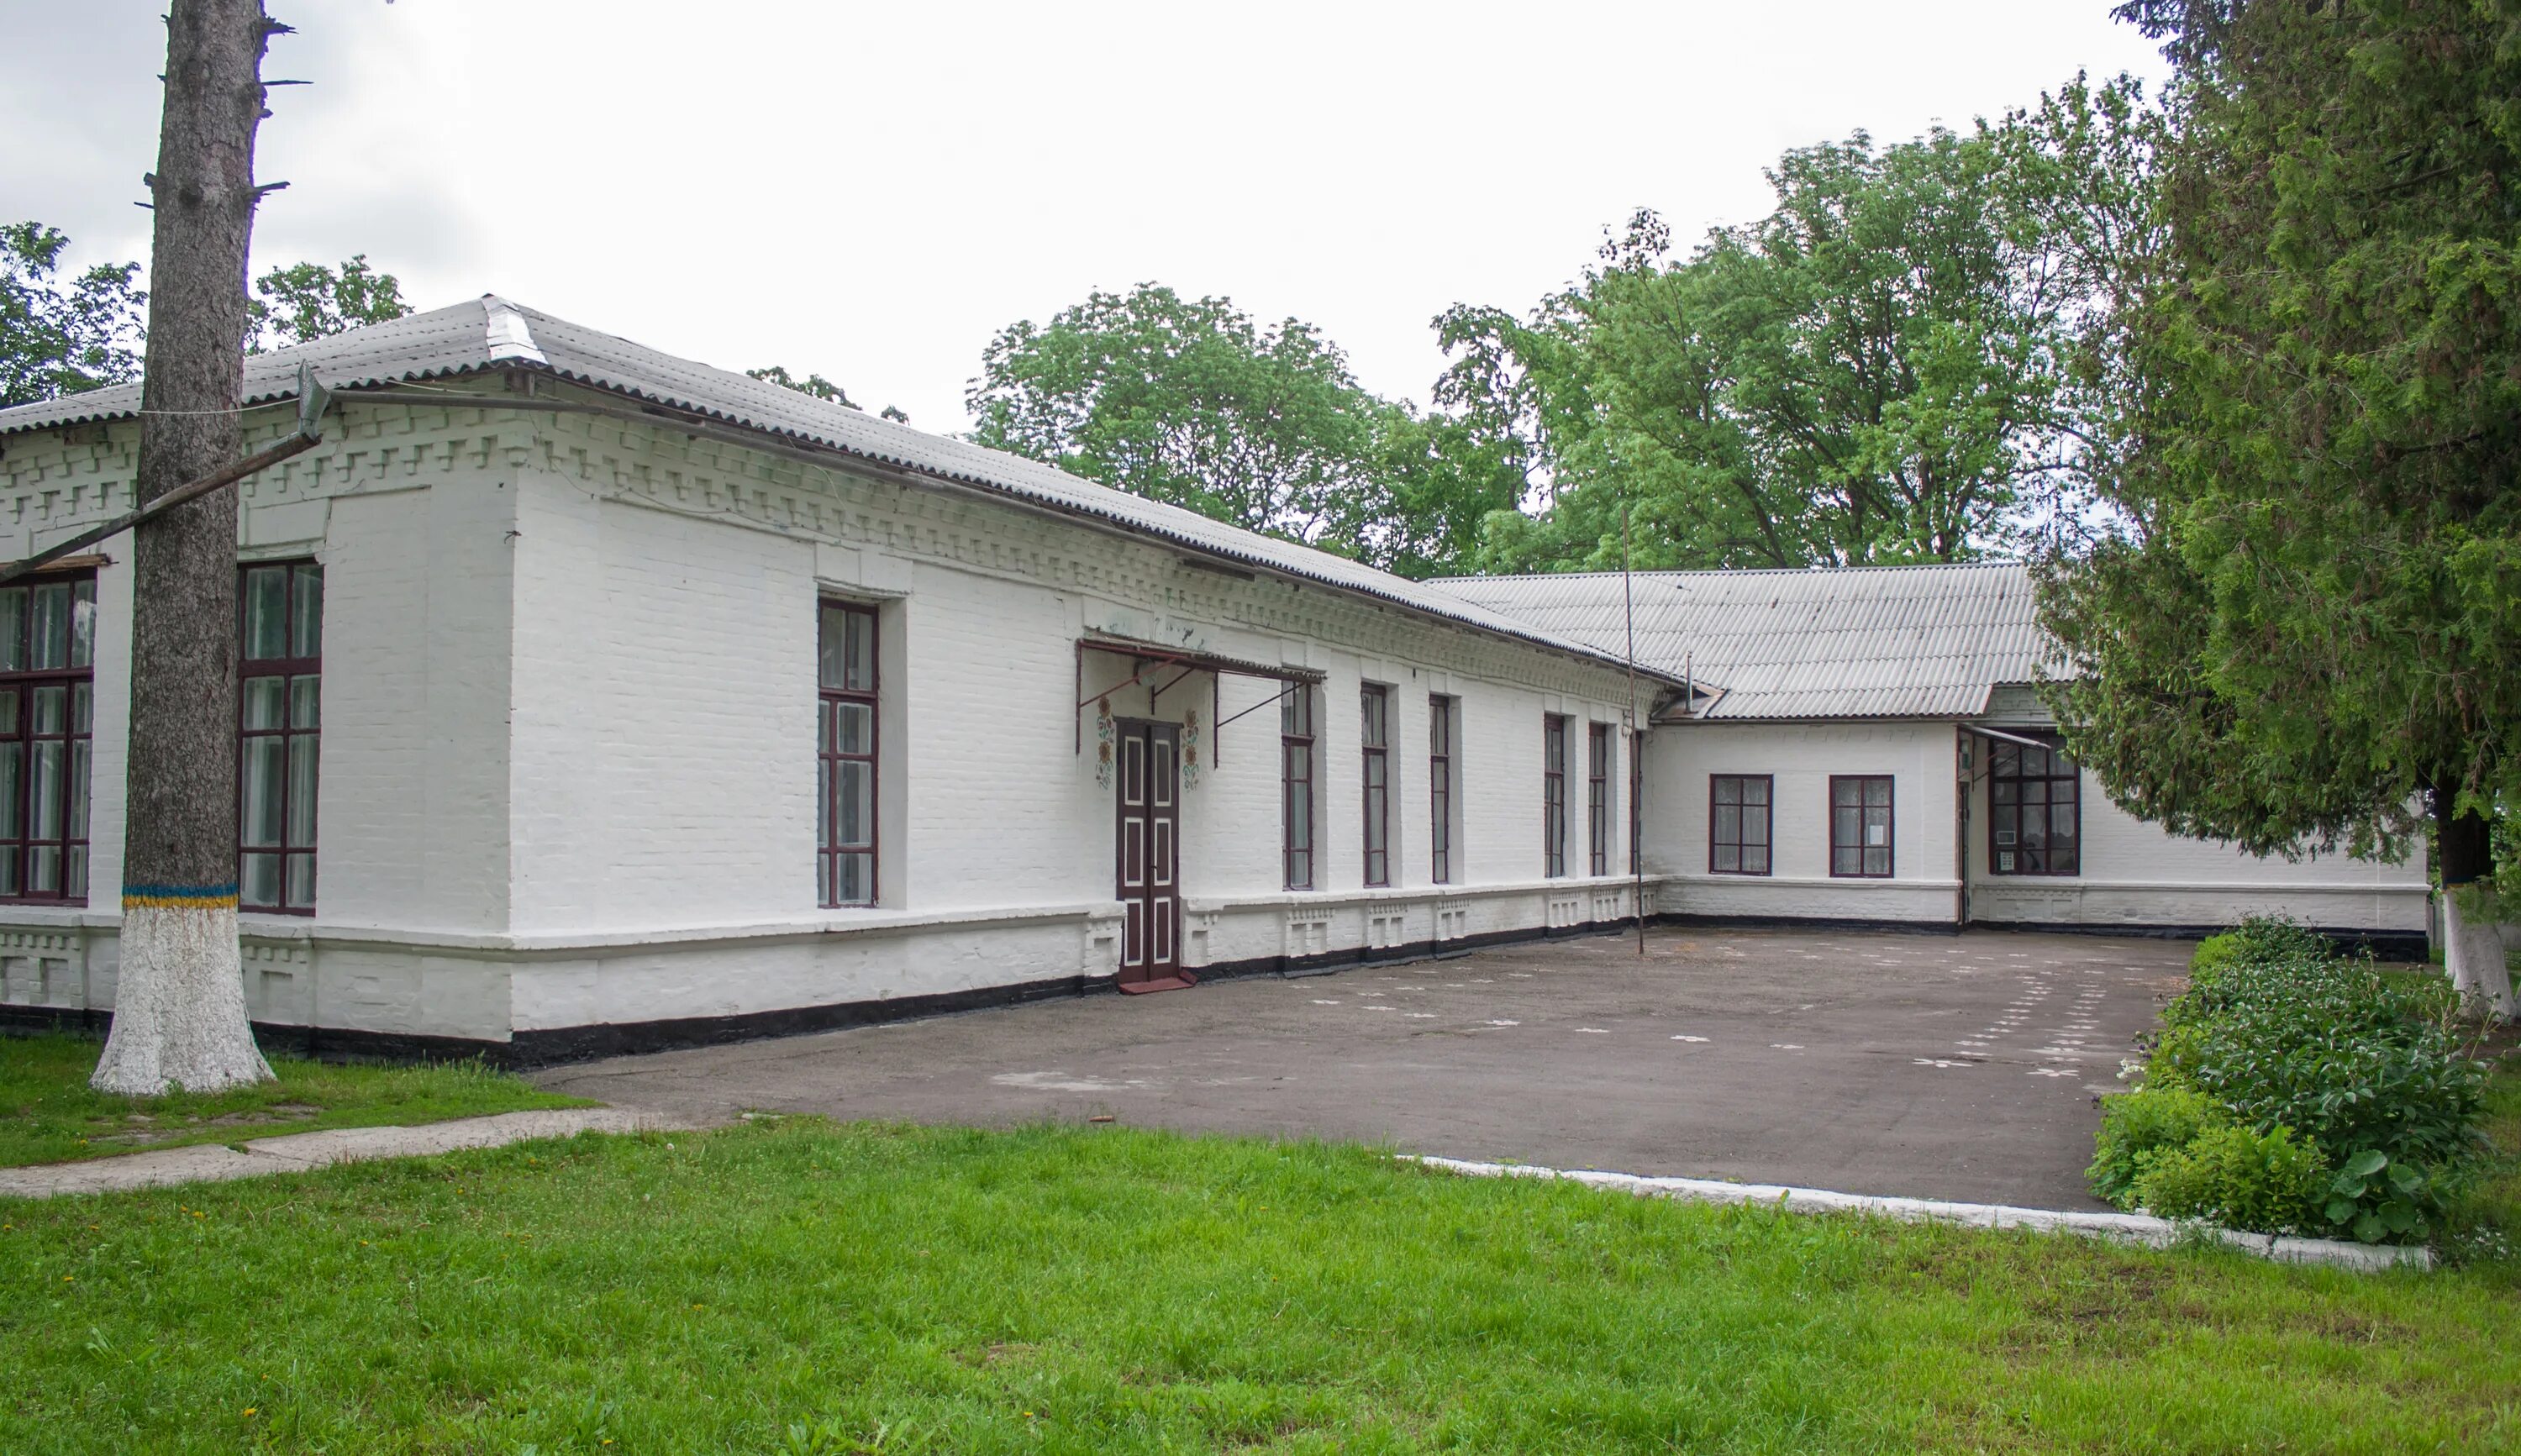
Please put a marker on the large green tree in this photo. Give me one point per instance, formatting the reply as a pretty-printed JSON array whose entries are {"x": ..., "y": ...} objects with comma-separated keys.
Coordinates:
[
  {"x": 61, "y": 335},
  {"x": 1193, "y": 402},
  {"x": 2305, "y": 636},
  {"x": 1875, "y": 372}
]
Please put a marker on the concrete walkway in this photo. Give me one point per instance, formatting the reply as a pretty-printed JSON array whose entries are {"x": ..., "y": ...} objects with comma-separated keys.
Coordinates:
[{"x": 299, "y": 1152}]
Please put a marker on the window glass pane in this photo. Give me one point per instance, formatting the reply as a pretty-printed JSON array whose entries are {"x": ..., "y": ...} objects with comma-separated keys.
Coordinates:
[
  {"x": 1729, "y": 823},
  {"x": 82, "y": 707},
  {"x": 44, "y": 869},
  {"x": 9, "y": 883},
  {"x": 13, "y": 784},
  {"x": 1877, "y": 827},
  {"x": 12, "y": 629},
  {"x": 263, "y": 704},
  {"x": 52, "y": 709},
  {"x": 77, "y": 826},
  {"x": 1755, "y": 859},
  {"x": 74, "y": 872},
  {"x": 306, "y": 704},
  {"x": 1845, "y": 792},
  {"x": 2004, "y": 791},
  {"x": 9, "y": 712},
  {"x": 266, "y": 624},
  {"x": 1755, "y": 792},
  {"x": 2061, "y": 823},
  {"x": 52, "y": 629},
  {"x": 259, "y": 781},
  {"x": 830, "y": 644},
  {"x": 302, "y": 881},
  {"x": 1845, "y": 859},
  {"x": 823, "y": 809},
  {"x": 1877, "y": 791},
  {"x": 854, "y": 726},
  {"x": 301, "y": 791},
  {"x": 855, "y": 879},
  {"x": 854, "y": 808},
  {"x": 46, "y": 821},
  {"x": 84, "y": 622},
  {"x": 861, "y": 650},
  {"x": 259, "y": 882},
  {"x": 1296, "y": 712},
  {"x": 1728, "y": 857},
  {"x": 1754, "y": 825},
  {"x": 1728, "y": 790},
  {"x": 306, "y": 618},
  {"x": 1877, "y": 861}
]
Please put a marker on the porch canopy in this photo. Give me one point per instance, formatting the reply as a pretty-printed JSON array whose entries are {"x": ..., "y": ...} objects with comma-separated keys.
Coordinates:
[{"x": 1162, "y": 668}]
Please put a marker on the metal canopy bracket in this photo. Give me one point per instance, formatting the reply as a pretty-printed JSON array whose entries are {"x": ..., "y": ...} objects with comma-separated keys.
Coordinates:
[{"x": 1148, "y": 657}]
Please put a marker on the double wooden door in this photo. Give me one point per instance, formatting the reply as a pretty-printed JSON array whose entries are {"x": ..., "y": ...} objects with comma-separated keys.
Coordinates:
[{"x": 1148, "y": 771}]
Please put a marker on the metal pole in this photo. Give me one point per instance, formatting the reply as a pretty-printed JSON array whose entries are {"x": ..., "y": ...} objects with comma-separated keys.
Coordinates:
[{"x": 1636, "y": 740}]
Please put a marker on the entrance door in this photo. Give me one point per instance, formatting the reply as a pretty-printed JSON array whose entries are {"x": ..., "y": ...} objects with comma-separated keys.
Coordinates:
[{"x": 1149, "y": 856}]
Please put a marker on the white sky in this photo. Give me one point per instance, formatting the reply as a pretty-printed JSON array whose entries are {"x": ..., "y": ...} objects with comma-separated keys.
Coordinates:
[{"x": 871, "y": 191}]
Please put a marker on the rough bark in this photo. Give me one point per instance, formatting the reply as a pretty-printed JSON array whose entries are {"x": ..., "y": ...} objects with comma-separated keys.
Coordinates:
[
  {"x": 179, "y": 1003},
  {"x": 2472, "y": 943}
]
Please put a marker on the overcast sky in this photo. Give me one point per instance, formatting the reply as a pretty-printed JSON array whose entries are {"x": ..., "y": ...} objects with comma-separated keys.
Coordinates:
[{"x": 871, "y": 191}]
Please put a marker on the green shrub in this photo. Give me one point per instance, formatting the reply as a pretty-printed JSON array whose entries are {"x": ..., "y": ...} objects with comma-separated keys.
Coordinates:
[
  {"x": 2239, "y": 1177},
  {"x": 2135, "y": 1127},
  {"x": 2278, "y": 1035}
]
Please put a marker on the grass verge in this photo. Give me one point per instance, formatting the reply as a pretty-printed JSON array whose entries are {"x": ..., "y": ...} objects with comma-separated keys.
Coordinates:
[
  {"x": 48, "y": 1113},
  {"x": 796, "y": 1286}
]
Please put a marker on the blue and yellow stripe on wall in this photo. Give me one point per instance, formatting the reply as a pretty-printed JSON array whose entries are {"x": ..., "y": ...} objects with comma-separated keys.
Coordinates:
[{"x": 180, "y": 897}]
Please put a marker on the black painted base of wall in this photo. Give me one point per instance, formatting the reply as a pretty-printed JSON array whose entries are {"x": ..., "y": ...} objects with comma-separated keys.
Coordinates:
[{"x": 568, "y": 1044}]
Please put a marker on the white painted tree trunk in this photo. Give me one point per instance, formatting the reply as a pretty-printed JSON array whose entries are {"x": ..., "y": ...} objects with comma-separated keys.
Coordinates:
[
  {"x": 180, "y": 1017},
  {"x": 2473, "y": 953}
]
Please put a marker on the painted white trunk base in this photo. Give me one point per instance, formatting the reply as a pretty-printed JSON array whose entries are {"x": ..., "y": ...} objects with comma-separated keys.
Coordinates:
[
  {"x": 2125, "y": 1228},
  {"x": 2473, "y": 953},
  {"x": 179, "y": 1017}
]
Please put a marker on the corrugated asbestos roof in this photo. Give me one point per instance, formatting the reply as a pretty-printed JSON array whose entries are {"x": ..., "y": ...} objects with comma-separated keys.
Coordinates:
[
  {"x": 1847, "y": 643},
  {"x": 492, "y": 333}
]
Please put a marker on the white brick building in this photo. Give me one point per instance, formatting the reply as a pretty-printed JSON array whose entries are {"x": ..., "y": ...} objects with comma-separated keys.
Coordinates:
[
  {"x": 1909, "y": 689},
  {"x": 595, "y": 698}
]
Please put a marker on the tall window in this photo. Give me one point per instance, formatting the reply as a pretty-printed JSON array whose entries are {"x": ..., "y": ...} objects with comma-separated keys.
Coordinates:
[
  {"x": 1553, "y": 794},
  {"x": 47, "y": 706},
  {"x": 1374, "y": 732},
  {"x": 2032, "y": 820},
  {"x": 1597, "y": 797},
  {"x": 844, "y": 829},
  {"x": 1859, "y": 826},
  {"x": 279, "y": 677},
  {"x": 1439, "y": 787},
  {"x": 1738, "y": 823},
  {"x": 1296, "y": 774}
]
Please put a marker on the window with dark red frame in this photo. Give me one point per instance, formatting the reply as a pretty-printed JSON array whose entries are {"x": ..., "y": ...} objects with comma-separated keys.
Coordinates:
[
  {"x": 1597, "y": 795},
  {"x": 845, "y": 746},
  {"x": 1296, "y": 781},
  {"x": 1859, "y": 826},
  {"x": 2033, "y": 811},
  {"x": 46, "y": 712},
  {"x": 1739, "y": 823},
  {"x": 1441, "y": 712},
  {"x": 280, "y": 690},
  {"x": 1374, "y": 734},
  {"x": 1553, "y": 794}
]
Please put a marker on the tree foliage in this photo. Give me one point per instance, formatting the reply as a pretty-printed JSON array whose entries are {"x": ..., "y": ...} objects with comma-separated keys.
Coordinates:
[
  {"x": 307, "y": 301},
  {"x": 64, "y": 335},
  {"x": 820, "y": 389},
  {"x": 1881, "y": 370},
  {"x": 61, "y": 335},
  {"x": 2309, "y": 624},
  {"x": 1193, "y": 402}
]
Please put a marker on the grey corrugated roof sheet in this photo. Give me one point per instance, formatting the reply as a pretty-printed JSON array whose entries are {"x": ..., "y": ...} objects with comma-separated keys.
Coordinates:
[
  {"x": 492, "y": 333},
  {"x": 1851, "y": 641}
]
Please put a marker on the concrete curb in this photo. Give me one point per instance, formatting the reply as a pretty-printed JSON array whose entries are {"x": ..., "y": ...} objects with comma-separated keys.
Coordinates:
[
  {"x": 2124, "y": 1228},
  {"x": 301, "y": 1152}
]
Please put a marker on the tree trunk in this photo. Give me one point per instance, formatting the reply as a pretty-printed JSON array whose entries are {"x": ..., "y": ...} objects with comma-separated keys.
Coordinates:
[
  {"x": 179, "y": 1015},
  {"x": 2472, "y": 943}
]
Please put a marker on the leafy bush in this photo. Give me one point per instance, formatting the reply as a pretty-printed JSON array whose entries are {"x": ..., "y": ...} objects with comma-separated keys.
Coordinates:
[
  {"x": 2135, "y": 1127},
  {"x": 2298, "y": 1057},
  {"x": 2239, "y": 1177}
]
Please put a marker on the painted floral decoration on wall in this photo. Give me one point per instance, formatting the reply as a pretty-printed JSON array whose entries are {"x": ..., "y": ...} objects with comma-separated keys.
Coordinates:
[
  {"x": 1103, "y": 742},
  {"x": 1190, "y": 749}
]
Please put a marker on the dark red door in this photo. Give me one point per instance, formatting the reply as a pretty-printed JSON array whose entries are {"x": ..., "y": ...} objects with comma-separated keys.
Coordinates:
[{"x": 1149, "y": 856}]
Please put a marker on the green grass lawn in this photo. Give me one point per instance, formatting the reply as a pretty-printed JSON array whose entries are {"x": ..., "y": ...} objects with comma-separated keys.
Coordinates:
[
  {"x": 800, "y": 1287},
  {"x": 48, "y": 1113}
]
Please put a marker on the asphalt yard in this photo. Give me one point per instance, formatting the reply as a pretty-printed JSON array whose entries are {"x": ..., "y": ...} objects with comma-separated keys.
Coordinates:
[{"x": 1947, "y": 1067}]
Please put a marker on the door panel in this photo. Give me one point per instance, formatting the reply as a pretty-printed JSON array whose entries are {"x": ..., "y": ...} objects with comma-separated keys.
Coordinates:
[{"x": 1147, "y": 852}]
